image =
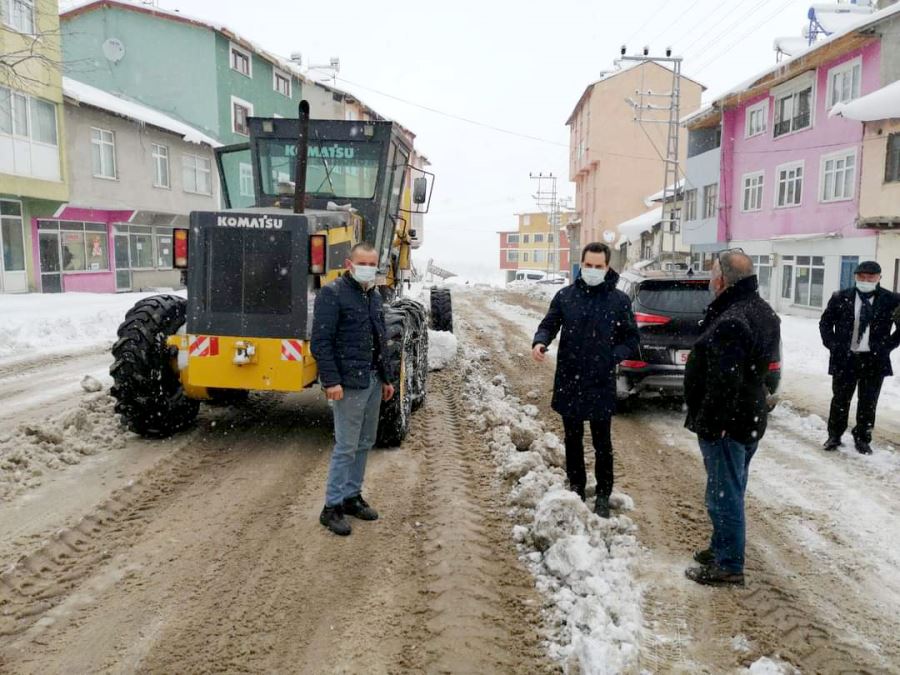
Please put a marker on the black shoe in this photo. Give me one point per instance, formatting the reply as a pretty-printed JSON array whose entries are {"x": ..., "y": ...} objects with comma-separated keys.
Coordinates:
[
  {"x": 713, "y": 575},
  {"x": 359, "y": 508},
  {"x": 332, "y": 517},
  {"x": 705, "y": 557},
  {"x": 601, "y": 506},
  {"x": 832, "y": 444},
  {"x": 578, "y": 490},
  {"x": 863, "y": 448}
]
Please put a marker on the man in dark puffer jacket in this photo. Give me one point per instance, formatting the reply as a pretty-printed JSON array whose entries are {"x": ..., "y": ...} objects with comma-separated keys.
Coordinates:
[
  {"x": 725, "y": 393},
  {"x": 348, "y": 342}
]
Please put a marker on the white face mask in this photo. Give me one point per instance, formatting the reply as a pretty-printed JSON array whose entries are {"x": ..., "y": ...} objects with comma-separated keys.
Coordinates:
[
  {"x": 866, "y": 286},
  {"x": 364, "y": 274},
  {"x": 593, "y": 276}
]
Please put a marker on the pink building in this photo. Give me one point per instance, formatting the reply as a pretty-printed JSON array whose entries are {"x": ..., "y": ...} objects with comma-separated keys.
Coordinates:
[{"x": 789, "y": 182}]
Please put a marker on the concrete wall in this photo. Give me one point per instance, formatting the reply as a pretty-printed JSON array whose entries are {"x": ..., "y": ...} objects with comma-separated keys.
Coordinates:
[
  {"x": 702, "y": 169},
  {"x": 620, "y": 166},
  {"x": 133, "y": 188},
  {"x": 889, "y": 258},
  {"x": 877, "y": 198},
  {"x": 168, "y": 65},
  {"x": 890, "y": 50}
]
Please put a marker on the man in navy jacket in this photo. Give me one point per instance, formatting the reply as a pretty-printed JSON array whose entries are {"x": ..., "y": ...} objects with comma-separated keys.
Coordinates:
[
  {"x": 348, "y": 343},
  {"x": 598, "y": 331},
  {"x": 856, "y": 329}
]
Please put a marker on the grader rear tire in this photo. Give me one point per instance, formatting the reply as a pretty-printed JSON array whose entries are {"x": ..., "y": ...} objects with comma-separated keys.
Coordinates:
[
  {"x": 441, "y": 309},
  {"x": 393, "y": 423},
  {"x": 149, "y": 396}
]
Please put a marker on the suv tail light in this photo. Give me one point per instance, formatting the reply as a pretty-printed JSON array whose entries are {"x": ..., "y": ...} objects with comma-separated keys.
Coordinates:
[
  {"x": 317, "y": 254},
  {"x": 643, "y": 319},
  {"x": 181, "y": 249},
  {"x": 775, "y": 365},
  {"x": 633, "y": 364}
]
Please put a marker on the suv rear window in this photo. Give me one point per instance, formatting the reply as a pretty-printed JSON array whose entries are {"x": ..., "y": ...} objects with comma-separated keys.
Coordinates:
[{"x": 674, "y": 297}]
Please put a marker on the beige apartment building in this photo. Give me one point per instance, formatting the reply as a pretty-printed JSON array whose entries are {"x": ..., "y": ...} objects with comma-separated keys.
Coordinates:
[{"x": 614, "y": 160}]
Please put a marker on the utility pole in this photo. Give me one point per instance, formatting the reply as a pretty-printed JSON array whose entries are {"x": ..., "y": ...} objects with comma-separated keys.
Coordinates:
[
  {"x": 643, "y": 114},
  {"x": 547, "y": 200}
]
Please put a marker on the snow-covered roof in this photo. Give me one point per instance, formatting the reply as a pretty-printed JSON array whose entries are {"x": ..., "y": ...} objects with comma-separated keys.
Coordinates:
[
  {"x": 657, "y": 197},
  {"x": 631, "y": 230},
  {"x": 791, "y": 45},
  {"x": 784, "y": 68},
  {"x": 881, "y": 104},
  {"x": 85, "y": 94}
]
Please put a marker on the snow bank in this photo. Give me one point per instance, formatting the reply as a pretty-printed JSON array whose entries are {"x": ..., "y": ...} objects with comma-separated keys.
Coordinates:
[
  {"x": 533, "y": 290},
  {"x": 442, "y": 348},
  {"x": 34, "y": 448},
  {"x": 767, "y": 666},
  {"x": 35, "y": 323},
  {"x": 582, "y": 564}
]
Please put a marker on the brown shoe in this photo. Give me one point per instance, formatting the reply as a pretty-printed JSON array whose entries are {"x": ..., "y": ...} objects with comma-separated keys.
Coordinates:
[{"x": 713, "y": 575}]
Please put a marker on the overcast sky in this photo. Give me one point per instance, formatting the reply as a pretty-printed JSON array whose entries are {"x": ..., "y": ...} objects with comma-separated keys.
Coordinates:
[{"x": 518, "y": 65}]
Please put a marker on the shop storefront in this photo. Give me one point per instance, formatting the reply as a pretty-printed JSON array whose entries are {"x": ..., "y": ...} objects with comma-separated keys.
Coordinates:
[{"x": 13, "y": 272}]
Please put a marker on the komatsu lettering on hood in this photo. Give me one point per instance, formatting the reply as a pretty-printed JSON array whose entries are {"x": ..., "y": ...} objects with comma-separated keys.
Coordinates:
[
  {"x": 332, "y": 151},
  {"x": 262, "y": 223}
]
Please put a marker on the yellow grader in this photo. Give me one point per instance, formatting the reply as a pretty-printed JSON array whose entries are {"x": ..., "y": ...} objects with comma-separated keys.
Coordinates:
[{"x": 252, "y": 275}]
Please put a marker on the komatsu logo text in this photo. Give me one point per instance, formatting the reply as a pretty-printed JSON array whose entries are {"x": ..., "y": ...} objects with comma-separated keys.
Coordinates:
[{"x": 262, "y": 223}]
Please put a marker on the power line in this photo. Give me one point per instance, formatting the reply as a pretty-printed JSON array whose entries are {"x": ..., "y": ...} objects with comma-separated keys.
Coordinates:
[
  {"x": 671, "y": 26},
  {"x": 740, "y": 18},
  {"x": 646, "y": 23},
  {"x": 458, "y": 118},
  {"x": 744, "y": 36}
]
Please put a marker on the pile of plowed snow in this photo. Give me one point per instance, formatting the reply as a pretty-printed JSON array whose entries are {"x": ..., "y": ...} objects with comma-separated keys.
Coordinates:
[
  {"x": 582, "y": 563},
  {"x": 32, "y": 449}
]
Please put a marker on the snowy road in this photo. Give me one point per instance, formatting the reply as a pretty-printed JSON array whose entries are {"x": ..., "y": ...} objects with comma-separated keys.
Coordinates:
[
  {"x": 822, "y": 589},
  {"x": 204, "y": 552}
]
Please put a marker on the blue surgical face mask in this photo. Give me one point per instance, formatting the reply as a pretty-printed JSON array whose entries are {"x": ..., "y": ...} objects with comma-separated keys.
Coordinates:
[
  {"x": 364, "y": 274},
  {"x": 593, "y": 276},
  {"x": 866, "y": 286}
]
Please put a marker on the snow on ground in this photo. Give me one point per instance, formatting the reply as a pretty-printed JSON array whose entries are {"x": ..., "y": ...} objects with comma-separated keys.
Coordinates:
[
  {"x": 34, "y": 324},
  {"x": 535, "y": 290},
  {"x": 582, "y": 563},
  {"x": 442, "y": 348}
]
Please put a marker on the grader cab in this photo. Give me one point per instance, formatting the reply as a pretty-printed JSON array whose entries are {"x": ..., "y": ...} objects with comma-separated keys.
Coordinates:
[{"x": 253, "y": 271}]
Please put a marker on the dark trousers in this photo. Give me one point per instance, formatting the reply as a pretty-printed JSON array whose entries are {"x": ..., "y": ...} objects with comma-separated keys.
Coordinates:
[
  {"x": 727, "y": 468},
  {"x": 863, "y": 376},
  {"x": 601, "y": 434}
]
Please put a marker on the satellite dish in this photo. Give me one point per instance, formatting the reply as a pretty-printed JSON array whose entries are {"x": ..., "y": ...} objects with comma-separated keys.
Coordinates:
[{"x": 114, "y": 50}]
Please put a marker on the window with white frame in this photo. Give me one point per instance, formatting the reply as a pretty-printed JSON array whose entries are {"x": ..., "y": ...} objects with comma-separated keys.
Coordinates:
[
  {"x": 710, "y": 200},
  {"x": 892, "y": 159},
  {"x": 240, "y": 112},
  {"x": 539, "y": 256},
  {"x": 240, "y": 60},
  {"x": 793, "y": 109},
  {"x": 763, "y": 266},
  {"x": 197, "y": 174},
  {"x": 281, "y": 82},
  {"x": 550, "y": 237},
  {"x": 789, "y": 188},
  {"x": 526, "y": 238},
  {"x": 12, "y": 233},
  {"x": 29, "y": 145},
  {"x": 757, "y": 117},
  {"x": 690, "y": 204},
  {"x": 18, "y": 15},
  {"x": 809, "y": 280},
  {"x": 838, "y": 176},
  {"x": 512, "y": 256},
  {"x": 83, "y": 247},
  {"x": 246, "y": 180},
  {"x": 512, "y": 239},
  {"x": 103, "y": 153},
  {"x": 160, "y": 166},
  {"x": 524, "y": 256},
  {"x": 538, "y": 238},
  {"x": 844, "y": 81},
  {"x": 753, "y": 191}
]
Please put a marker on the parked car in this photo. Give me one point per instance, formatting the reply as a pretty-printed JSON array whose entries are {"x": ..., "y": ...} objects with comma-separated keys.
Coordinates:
[
  {"x": 538, "y": 277},
  {"x": 668, "y": 308}
]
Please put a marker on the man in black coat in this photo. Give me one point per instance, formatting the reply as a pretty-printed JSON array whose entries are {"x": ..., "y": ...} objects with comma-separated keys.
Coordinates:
[
  {"x": 348, "y": 342},
  {"x": 598, "y": 331},
  {"x": 856, "y": 328},
  {"x": 725, "y": 393}
]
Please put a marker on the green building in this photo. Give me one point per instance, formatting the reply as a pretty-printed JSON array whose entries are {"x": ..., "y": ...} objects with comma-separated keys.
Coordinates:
[{"x": 190, "y": 69}]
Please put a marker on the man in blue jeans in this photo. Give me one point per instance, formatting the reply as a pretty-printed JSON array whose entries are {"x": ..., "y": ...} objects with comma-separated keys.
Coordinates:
[
  {"x": 348, "y": 342},
  {"x": 725, "y": 393}
]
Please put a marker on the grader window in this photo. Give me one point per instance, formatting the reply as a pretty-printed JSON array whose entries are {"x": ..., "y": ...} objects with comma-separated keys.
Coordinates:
[
  {"x": 339, "y": 169},
  {"x": 249, "y": 272}
]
